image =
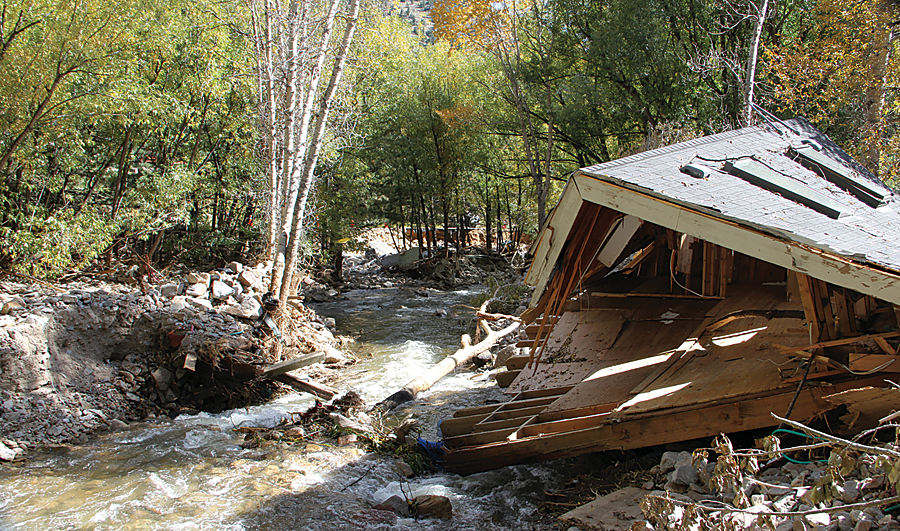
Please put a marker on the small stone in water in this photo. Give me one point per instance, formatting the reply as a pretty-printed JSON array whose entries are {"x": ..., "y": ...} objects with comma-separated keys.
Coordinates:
[
  {"x": 395, "y": 504},
  {"x": 404, "y": 468}
]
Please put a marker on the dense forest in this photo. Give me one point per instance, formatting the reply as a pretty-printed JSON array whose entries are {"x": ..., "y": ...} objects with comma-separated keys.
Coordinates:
[{"x": 159, "y": 132}]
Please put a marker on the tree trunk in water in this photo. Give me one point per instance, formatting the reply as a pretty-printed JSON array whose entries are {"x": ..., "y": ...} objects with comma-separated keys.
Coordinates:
[{"x": 436, "y": 372}]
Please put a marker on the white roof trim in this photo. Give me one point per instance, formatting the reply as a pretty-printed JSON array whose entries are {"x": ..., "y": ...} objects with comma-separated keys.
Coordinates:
[{"x": 784, "y": 251}]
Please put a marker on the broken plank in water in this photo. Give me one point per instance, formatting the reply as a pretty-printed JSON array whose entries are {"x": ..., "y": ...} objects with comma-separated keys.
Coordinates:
[
  {"x": 294, "y": 363},
  {"x": 318, "y": 390}
]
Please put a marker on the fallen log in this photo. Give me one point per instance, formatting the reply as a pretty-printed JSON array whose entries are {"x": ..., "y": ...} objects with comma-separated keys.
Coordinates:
[
  {"x": 436, "y": 372},
  {"x": 294, "y": 363},
  {"x": 318, "y": 390}
]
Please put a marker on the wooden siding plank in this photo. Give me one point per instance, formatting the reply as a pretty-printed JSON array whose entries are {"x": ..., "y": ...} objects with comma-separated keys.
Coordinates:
[{"x": 638, "y": 432}]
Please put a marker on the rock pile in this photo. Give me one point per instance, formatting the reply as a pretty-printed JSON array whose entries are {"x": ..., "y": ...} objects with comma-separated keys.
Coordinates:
[{"x": 382, "y": 267}]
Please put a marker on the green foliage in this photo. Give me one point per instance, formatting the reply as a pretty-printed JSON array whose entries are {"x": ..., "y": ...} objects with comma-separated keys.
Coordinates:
[
  {"x": 124, "y": 121},
  {"x": 504, "y": 298},
  {"x": 121, "y": 120},
  {"x": 50, "y": 245}
]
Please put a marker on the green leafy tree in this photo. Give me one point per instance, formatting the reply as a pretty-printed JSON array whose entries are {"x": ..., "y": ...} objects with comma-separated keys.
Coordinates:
[{"x": 839, "y": 69}]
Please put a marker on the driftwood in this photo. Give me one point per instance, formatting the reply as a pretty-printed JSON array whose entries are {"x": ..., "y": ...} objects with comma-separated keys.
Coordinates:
[
  {"x": 318, "y": 390},
  {"x": 278, "y": 372},
  {"x": 294, "y": 363},
  {"x": 436, "y": 372}
]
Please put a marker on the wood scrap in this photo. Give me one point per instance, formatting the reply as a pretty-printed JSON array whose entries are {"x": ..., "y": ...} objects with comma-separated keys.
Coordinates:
[
  {"x": 809, "y": 307},
  {"x": 316, "y": 389},
  {"x": 746, "y": 314},
  {"x": 653, "y": 295},
  {"x": 838, "y": 342},
  {"x": 874, "y": 362},
  {"x": 294, "y": 363},
  {"x": 885, "y": 346},
  {"x": 572, "y": 269}
]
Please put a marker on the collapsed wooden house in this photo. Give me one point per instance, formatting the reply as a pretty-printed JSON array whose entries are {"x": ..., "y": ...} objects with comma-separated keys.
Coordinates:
[{"x": 698, "y": 289}]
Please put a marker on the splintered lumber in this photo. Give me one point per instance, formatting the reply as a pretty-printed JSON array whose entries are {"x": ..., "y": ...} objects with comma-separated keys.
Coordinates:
[
  {"x": 294, "y": 363},
  {"x": 516, "y": 363},
  {"x": 885, "y": 346},
  {"x": 316, "y": 389},
  {"x": 278, "y": 372},
  {"x": 436, "y": 372},
  {"x": 606, "y": 432},
  {"x": 747, "y": 314},
  {"x": 504, "y": 379},
  {"x": 572, "y": 270},
  {"x": 809, "y": 306},
  {"x": 839, "y": 342}
]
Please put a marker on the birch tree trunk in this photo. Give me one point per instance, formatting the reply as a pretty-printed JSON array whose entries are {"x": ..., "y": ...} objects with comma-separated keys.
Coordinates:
[
  {"x": 752, "y": 59},
  {"x": 293, "y": 45},
  {"x": 268, "y": 108},
  {"x": 312, "y": 153}
]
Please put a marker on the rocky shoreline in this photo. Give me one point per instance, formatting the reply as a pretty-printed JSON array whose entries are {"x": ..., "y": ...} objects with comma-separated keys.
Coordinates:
[
  {"x": 100, "y": 352},
  {"x": 94, "y": 354}
]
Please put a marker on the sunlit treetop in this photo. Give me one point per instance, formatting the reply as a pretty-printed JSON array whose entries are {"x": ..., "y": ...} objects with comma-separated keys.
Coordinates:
[{"x": 479, "y": 24}]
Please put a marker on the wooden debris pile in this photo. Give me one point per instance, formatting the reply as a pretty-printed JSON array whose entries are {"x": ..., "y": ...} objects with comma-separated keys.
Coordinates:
[
  {"x": 343, "y": 422},
  {"x": 640, "y": 335},
  {"x": 208, "y": 371},
  {"x": 318, "y": 423}
]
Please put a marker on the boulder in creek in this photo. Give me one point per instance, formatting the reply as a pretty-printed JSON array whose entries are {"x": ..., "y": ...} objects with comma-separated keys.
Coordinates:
[
  {"x": 395, "y": 504},
  {"x": 434, "y": 506}
]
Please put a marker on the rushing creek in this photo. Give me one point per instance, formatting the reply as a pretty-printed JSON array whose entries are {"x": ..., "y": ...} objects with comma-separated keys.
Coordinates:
[{"x": 191, "y": 473}]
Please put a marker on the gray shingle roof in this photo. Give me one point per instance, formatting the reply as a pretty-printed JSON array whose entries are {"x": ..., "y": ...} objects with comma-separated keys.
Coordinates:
[{"x": 862, "y": 233}]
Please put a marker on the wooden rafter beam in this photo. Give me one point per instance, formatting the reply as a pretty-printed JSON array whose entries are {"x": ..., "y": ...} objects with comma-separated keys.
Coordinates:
[{"x": 839, "y": 342}]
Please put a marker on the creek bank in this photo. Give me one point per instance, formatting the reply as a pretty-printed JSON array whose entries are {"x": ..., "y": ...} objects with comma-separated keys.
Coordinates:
[
  {"x": 99, "y": 352},
  {"x": 95, "y": 354}
]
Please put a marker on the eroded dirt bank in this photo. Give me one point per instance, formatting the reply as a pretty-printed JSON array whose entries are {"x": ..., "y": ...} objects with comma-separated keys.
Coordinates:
[{"x": 92, "y": 355}]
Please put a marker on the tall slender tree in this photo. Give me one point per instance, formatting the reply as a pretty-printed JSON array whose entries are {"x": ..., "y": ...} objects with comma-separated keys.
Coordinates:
[{"x": 297, "y": 51}]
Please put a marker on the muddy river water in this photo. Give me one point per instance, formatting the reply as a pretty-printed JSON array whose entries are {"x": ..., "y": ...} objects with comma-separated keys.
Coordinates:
[{"x": 192, "y": 473}]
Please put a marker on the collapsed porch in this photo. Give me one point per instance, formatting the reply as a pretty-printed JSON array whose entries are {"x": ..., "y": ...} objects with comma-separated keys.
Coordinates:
[{"x": 643, "y": 335}]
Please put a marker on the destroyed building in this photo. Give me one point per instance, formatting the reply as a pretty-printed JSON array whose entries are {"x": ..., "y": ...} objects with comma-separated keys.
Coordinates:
[{"x": 696, "y": 289}]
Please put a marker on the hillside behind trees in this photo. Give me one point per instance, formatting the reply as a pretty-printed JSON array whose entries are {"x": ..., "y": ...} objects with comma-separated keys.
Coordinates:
[{"x": 134, "y": 130}]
